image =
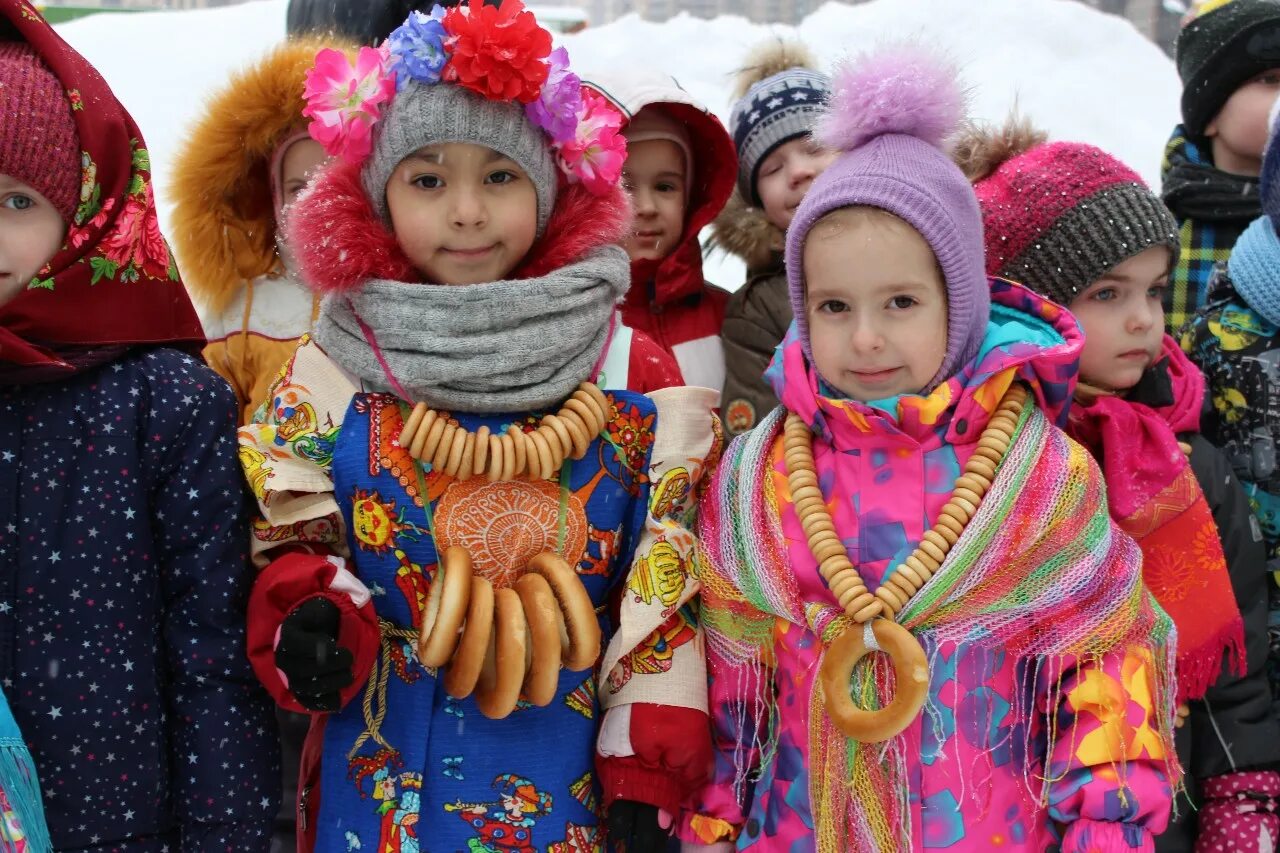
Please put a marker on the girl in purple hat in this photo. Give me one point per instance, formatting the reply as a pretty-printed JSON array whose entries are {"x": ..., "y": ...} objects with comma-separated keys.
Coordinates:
[{"x": 923, "y": 629}]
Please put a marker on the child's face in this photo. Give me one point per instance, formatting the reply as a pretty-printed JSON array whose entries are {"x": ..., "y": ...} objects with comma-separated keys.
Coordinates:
[
  {"x": 1238, "y": 132},
  {"x": 785, "y": 175},
  {"x": 876, "y": 305},
  {"x": 31, "y": 232},
  {"x": 301, "y": 160},
  {"x": 1123, "y": 320},
  {"x": 463, "y": 213},
  {"x": 655, "y": 176}
]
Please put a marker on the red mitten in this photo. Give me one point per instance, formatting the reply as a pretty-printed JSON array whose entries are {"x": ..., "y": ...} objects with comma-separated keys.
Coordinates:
[
  {"x": 664, "y": 756},
  {"x": 1240, "y": 813}
]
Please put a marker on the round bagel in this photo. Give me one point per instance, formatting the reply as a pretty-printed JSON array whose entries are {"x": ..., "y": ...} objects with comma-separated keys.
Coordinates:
[
  {"x": 910, "y": 668},
  {"x": 468, "y": 660},
  {"x": 446, "y": 608},
  {"x": 503, "y": 672},
  {"x": 579, "y": 613},
  {"x": 540, "y": 609}
]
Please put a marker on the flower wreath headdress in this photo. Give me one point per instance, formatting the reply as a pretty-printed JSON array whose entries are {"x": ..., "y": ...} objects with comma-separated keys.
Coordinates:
[{"x": 501, "y": 54}]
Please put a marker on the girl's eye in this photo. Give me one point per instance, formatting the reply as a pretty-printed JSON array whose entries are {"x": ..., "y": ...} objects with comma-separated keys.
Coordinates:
[
  {"x": 1156, "y": 291},
  {"x": 1106, "y": 294},
  {"x": 502, "y": 177},
  {"x": 428, "y": 182},
  {"x": 770, "y": 168},
  {"x": 833, "y": 306},
  {"x": 666, "y": 187},
  {"x": 18, "y": 201},
  {"x": 902, "y": 302}
]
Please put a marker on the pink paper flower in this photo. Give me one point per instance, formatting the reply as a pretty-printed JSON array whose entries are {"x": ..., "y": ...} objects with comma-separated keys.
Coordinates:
[
  {"x": 344, "y": 103},
  {"x": 597, "y": 150}
]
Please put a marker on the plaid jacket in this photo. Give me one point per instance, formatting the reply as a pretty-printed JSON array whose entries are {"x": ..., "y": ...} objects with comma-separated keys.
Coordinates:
[{"x": 1204, "y": 241}]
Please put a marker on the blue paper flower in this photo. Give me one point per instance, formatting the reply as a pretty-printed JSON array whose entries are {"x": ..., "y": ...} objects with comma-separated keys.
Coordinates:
[{"x": 417, "y": 48}]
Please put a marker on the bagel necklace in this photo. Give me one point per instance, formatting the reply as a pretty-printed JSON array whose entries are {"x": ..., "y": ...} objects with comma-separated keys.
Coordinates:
[{"x": 875, "y": 611}]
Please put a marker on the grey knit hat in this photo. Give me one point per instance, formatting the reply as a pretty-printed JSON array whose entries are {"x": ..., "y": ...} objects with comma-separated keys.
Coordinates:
[
  {"x": 773, "y": 112},
  {"x": 422, "y": 115}
]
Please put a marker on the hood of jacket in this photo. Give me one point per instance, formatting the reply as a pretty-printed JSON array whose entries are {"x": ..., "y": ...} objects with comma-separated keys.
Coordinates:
[
  {"x": 224, "y": 221},
  {"x": 715, "y": 169}
]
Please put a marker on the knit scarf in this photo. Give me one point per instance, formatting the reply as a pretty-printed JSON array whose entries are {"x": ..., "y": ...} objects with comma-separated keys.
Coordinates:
[
  {"x": 1212, "y": 207},
  {"x": 501, "y": 346},
  {"x": 1156, "y": 499},
  {"x": 1039, "y": 573}
]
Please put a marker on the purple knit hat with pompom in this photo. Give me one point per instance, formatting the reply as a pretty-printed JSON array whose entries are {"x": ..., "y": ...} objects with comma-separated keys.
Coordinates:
[{"x": 889, "y": 114}]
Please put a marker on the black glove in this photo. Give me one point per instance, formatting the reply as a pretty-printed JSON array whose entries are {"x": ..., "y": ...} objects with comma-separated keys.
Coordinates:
[
  {"x": 309, "y": 656},
  {"x": 634, "y": 828}
]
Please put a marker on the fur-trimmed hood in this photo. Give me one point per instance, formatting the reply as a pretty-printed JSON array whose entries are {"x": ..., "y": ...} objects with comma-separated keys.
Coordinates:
[
  {"x": 745, "y": 231},
  {"x": 223, "y": 225},
  {"x": 340, "y": 242}
]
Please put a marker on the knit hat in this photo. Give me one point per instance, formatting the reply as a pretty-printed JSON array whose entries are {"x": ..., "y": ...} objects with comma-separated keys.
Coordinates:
[
  {"x": 39, "y": 145},
  {"x": 652, "y": 123},
  {"x": 424, "y": 115},
  {"x": 471, "y": 74},
  {"x": 1254, "y": 268},
  {"x": 889, "y": 116},
  {"x": 1058, "y": 215},
  {"x": 775, "y": 109},
  {"x": 1220, "y": 49}
]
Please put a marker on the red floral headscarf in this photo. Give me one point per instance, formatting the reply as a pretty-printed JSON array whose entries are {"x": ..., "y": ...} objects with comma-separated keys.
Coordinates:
[{"x": 113, "y": 284}]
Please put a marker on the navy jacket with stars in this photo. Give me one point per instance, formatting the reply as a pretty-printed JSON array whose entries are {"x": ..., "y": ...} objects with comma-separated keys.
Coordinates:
[{"x": 123, "y": 587}]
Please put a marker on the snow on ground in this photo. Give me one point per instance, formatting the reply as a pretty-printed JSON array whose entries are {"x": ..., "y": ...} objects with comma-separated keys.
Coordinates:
[{"x": 1076, "y": 72}]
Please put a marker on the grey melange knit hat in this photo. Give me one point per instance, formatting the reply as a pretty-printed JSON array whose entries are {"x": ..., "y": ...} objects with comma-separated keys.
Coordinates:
[{"x": 422, "y": 115}]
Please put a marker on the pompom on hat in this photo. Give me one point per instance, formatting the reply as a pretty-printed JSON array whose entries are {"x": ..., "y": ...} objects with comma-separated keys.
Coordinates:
[{"x": 890, "y": 114}]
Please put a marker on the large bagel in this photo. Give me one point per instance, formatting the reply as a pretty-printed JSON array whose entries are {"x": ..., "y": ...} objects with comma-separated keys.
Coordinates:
[
  {"x": 504, "y": 665},
  {"x": 911, "y": 671},
  {"x": 542, "y": 613},
  {"x": 446, "y": 608},
  {"x": 580, "y": 622},
  {"x": 468, "y": 660}
]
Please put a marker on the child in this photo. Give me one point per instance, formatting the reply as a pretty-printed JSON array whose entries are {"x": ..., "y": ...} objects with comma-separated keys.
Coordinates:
[
  {"x": 122, "y": 534},
  {"x": 1079, "y": 227},
  {"x": 238, "y": 168},
  {"x": 1228, "y": 57},
  {"x": 467, "y": 273},
  {"x": 679, "y": 172},
  {"x": 1234, "y": 340},
  {"x": 778, "y": 98},
  {"x": 1044, "y": 673}
]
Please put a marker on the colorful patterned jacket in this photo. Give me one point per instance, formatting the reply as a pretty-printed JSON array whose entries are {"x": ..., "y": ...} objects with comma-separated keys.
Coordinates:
[{"x": 970, "y": 755}]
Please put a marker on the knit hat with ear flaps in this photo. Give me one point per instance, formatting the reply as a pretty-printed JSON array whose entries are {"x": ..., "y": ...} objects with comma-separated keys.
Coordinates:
[
  {"x": 423, "y": 115},
  {"x": 39, "y": 145},
  {"x": 889, "y": 115},
  {"x": 1219, "y": 50},
  {"x": 1058, "y": 215}
]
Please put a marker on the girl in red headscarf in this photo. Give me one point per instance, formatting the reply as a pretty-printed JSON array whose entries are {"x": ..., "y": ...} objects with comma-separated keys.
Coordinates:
[{"x": 123, "y": 573}]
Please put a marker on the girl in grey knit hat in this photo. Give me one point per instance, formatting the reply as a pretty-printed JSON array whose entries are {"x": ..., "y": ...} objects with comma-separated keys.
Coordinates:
[{"x": 465, "y": 454}]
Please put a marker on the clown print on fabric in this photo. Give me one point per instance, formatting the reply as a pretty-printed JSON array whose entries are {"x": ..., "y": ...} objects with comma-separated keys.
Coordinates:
[{"x": 406, "y": 767}]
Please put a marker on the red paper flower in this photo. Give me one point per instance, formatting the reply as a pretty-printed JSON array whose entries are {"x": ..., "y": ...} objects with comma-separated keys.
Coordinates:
[{"x": 499, "y": 53}]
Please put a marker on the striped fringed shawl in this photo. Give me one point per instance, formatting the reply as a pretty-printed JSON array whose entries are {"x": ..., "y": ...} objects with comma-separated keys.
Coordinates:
[{"x": 1040, "y": 573}]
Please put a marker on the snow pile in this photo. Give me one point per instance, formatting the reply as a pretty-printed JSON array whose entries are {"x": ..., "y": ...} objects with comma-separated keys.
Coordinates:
[{"x": 1078, "y": 73}]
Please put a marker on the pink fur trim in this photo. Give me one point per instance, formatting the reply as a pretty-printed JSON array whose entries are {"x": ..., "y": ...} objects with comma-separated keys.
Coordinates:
[
  {"x": 340, "y": 243},
  {"x": 899, "y": 89}
]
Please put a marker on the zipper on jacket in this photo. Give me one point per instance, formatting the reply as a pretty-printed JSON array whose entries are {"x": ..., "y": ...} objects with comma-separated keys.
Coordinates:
[{"x": 303, "y": 796}]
